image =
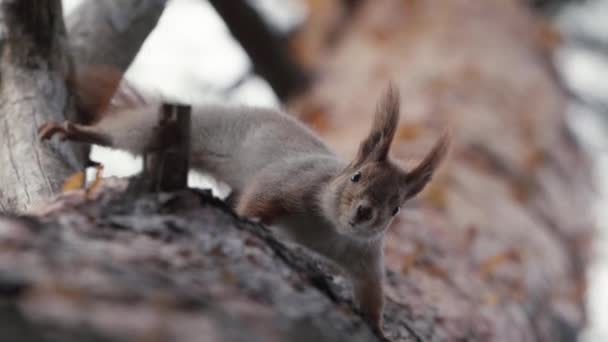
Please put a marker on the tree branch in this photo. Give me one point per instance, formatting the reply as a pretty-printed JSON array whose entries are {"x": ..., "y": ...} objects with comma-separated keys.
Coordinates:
[
  {"x": 111, "y": 32},
  {"x": 35, "y": 66},
  {"x": 266, "y": 49},
  {"x": 34, "y": 70}
]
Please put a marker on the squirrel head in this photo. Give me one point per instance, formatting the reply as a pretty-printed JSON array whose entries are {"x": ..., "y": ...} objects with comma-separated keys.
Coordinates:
[{"x": 362, "y": 199}]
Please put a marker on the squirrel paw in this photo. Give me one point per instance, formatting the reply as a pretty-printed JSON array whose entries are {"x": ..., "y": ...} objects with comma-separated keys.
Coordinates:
[
  {"x": 47, "y": 130},
  {"x": 379, "y": 331},
  {"x": 377, "y": 327}
]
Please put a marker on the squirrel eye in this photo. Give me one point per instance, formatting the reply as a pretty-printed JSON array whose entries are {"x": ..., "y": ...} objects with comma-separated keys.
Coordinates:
[
  {"x": 396, "y": 211},
  {"x": 356, "y": 177}
]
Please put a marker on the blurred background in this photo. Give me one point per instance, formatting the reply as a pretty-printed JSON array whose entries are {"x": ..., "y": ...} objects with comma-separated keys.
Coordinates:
[
  {"x": 192, "y": 57},
  {"x": 583, "y": 63}
]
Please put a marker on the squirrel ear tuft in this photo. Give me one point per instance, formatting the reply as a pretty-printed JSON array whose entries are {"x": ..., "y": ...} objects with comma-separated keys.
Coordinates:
[
  {"x": 416, "y": 179},
  {"x": 377, "y": 144}
]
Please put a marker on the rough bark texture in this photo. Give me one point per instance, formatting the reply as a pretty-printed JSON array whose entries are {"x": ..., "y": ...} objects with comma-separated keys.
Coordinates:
[
  {"x": 167, "y": 162},
  {"x": 111, "y": 32},
  {"x": 496, "y": 247},
  {"x": 33, "y": 90},
  {"x": 168, "y": 267},
  {"x": 35, "y": 65}
]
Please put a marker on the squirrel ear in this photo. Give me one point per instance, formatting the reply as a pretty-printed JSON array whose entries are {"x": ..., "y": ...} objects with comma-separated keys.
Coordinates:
[
  {"x": 377, "y": 144},
  {"x": 416, "y": 179}
]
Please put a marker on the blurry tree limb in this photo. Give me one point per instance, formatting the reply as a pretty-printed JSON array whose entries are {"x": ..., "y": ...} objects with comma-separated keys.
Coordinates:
[
  {"x": 35, "y": 66},
  {"x": 111, "y": 32},
  {"x": 531, "y": 183},
  {"x": 34, "y": 69},
  {"x": 551, "y": 5},
  {"x": 325, "y": 24},
  {"x": 267, "y": 51},
  {"x": 587, "y": 42}
]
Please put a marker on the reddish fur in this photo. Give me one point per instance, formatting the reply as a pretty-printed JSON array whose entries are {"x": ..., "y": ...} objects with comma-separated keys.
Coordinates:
[
  {"x": 257, "y": 205},
  {"x": 100, "y": 91},
  {"x": 94, "y": 86}
]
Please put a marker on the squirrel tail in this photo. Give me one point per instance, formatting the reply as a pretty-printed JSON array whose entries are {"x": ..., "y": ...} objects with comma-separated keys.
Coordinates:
[{"x": 101, "y": 90}]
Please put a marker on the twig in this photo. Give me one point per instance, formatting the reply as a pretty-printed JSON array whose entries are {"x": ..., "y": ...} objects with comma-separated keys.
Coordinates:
[{"x": 167, "y": 159}]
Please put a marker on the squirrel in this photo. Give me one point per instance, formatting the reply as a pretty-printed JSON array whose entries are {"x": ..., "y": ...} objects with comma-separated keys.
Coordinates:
[{"x": 282, "y": 174}]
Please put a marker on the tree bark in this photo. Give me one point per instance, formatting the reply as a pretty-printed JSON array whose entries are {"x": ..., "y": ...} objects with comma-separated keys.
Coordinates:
[
  {"x": 497, "y": 246},
  {"x": 35, "y": 66},
  {"x": 177, "y": 267},
  {"x": 34, "y": 69}
]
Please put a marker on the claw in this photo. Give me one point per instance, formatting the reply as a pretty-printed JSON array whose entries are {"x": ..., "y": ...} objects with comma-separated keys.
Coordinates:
[
  {"x": 47, "y": 130},
  {"x": 74, "y": 132}
]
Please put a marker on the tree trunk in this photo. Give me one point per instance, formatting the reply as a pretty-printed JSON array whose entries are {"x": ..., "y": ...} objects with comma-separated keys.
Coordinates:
[
  {"x": 497, "y": 246},
  {"x": 35, "y": 66},
  {"x": 175, "y": 267},
  {"x": 34, "y": 69}
]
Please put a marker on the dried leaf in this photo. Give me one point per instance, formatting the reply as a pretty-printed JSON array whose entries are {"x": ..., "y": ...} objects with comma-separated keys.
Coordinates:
[
  {"x": 472, "y": 233},
  {"x": 409, "y": 261},
  {"x": 534, "y": 159},
  {"x": 518, "y": 292},
  {"x": 522, "y": 189},
  {"x": 409, "y": 131},
  {"x": 489, "y": 265},
  {"x": 435, "y": 270},
  {"x": 96, "y": 184},
  {"x": 74, "y": 182},
  {"x": 317, "y": 120},
  {"x": 548, "y": 36},
  {"x": 471, "y": 73},
  {"x": 436, "y": 195},
  {"x": 490, "y": 299}
]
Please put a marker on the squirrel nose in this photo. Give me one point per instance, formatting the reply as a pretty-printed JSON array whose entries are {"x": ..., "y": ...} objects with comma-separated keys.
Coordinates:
[{"x": 364, "y": 213}]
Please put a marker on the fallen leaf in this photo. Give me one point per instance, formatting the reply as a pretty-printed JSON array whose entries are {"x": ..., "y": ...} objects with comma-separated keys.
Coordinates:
[
  {"x": 436, "y": 195},
  {"x": 548, "y": 36},
  {"x": 490, "y": 298},
  {"x": 535, "y": 158},
  {"x": 96, "y": 184},
  {"x": 489, "y": 265},
  {"x": 317, "y": 120},
  {"x": 409, "y": 131},
  {"x": 435, "y": 270},
  {"x": 410, "y": 259},
  {"x": 74, "y": 182},
  {"x": 518, "y": 292},
  {"x": 522, "y": 189}
]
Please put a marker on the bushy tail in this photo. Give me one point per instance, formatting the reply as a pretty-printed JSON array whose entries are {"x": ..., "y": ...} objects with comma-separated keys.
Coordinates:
[{"x": 101, "y": 90}]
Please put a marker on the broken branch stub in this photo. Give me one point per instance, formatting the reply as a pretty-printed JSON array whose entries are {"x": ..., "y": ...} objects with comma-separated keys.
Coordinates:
[{"x": 167, "y": 159}]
